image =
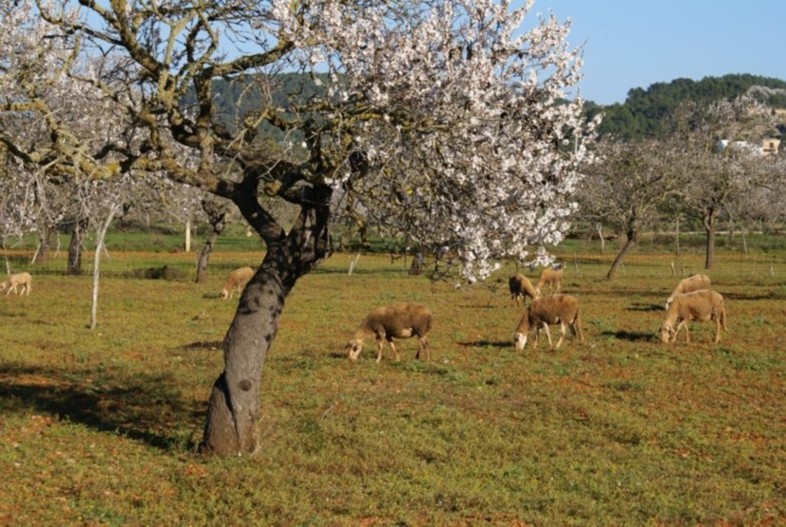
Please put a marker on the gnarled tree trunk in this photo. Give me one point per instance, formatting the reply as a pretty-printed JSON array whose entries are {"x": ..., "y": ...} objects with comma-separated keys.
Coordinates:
[
  {"x": 633, "y": 238},
  {"x": 75, "y": 246},
  {"x": 233, "y": 409}
]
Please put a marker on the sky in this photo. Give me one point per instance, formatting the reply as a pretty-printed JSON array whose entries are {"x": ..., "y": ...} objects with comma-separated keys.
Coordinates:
[{"x": 635, "y": 43}]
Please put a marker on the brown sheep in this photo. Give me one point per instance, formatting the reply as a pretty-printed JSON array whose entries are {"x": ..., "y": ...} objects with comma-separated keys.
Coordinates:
[
  {"x": 20, "y": 279},
  {"x": 702, "y": 306},
  {"x": 521, "y": 288},
  {"x": 236, "y": 281},
  {"x": 399, "y": 321},
  {"x": 694, "y": 282},
  {"x": 552, "y": 277},
  {"x": 545, "y": 310}
]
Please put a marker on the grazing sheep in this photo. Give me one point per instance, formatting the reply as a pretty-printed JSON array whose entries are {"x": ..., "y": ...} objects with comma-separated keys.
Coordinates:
[
  {"x": 702, "y": 306},
  {"x": 521, "y": 287},
  {"x": 694, "y": 282},
  {"x": 23, "y": 279},
  {"x": 551, "y": 276},
  {"x": 236, "y": 281},
  {"x": 545, "y": 310},
  {"x": 399, "y": 321}
]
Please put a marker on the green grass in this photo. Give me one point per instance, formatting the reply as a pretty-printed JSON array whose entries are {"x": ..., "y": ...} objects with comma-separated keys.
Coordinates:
[{"x": 99, "y": 427}]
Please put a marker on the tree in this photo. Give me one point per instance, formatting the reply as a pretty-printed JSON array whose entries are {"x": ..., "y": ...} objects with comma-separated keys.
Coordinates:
[
  {"x": 717, "y": 148},
  {"x": 463, "y": 122},
  {"x": 624, "y": 188}
]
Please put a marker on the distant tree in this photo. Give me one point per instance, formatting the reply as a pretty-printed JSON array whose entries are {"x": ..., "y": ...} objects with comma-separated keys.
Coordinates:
[
  {"x": 624, "y": 188},
  {"x": 717, "y": 177}
]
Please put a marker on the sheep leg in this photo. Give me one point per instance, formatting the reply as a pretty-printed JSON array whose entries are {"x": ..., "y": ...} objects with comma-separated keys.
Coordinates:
[
  {"x": 717, "y": 330},
  {"x": 423, "y": 346},
  {"x": 393, "y": 347},
  {"x": 380, "y": 344},
  {"x": 562, "y": 335},
  {"x": 576, "y": 327},
  {"x": 681, "y": 325},
  {"x": 548, "y": 335}
]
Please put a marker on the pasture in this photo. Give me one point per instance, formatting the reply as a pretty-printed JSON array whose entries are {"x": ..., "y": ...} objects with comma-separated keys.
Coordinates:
[{"x": 99, "y": 427}]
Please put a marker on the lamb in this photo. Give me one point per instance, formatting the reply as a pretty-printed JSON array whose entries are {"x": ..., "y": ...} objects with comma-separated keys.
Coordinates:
[
  {"x": 403, "y": 320},
  {"x": 20, "y": 279},
  {"x": 702, "y": 306},
  {"x": 694, "y": 282},
  {"x": 551, "y": 276},
  {"x": 521, "y": 287},
  {"x": 236, "y": 281},
  {"x": 552, "y": 309}
]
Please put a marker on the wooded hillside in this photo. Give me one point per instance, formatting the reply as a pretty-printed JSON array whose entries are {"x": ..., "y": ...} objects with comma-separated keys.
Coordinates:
[{"x": 644, "y": 111}]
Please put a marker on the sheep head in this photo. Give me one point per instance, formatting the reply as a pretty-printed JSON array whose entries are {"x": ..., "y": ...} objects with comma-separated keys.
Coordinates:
[
  {"x": 520, "y": 340},
  {"x": 666, "y": 332},
  {"x": 353, "y": 348}
]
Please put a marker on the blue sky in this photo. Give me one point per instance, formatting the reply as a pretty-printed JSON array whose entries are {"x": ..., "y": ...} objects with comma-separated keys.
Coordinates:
[{"x": 635, "y": 43}]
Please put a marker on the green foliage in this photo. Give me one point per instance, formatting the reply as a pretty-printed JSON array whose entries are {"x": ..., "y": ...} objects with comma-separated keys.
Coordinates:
[
  {"x": 99, "y": 428},
  {"x": 645, "y": 111}
]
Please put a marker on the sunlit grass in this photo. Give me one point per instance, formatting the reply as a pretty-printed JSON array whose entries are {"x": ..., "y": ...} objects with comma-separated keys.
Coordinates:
[{"x": 99, "y": 427}]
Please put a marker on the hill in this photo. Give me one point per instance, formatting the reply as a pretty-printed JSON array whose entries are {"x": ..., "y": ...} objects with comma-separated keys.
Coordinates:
[{"x": 644, "y": 111}]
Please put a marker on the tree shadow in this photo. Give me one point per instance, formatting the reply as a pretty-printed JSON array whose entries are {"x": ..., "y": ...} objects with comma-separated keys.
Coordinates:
[
  {"x": 203, "y": 345},
  {"x": 632, "y": 336},
  {"x": 639, "y": 306},
  {"x": 144, "y": 408},
  {"x": 487, "y": 344}
]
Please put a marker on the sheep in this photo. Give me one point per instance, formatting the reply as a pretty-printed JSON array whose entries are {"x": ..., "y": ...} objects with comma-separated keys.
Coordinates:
[
  {"x": 703, "y": 305},
  {"x": 545, "y": 310},
  {"x": 521, "y": 287},
  {"x": 694, "y": 282},
  {"x": 236, "y": 281},
  {"x": 403, "y": 320},
  {"x": 551, "y": 276},
  {"x": 23, "y": 279}
]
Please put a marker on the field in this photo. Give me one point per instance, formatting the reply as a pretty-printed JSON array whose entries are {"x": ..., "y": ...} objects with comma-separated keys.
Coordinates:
[{"x": 99, "y": 427}]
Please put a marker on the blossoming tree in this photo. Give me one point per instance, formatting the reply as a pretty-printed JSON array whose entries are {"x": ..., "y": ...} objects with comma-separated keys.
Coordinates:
[{"x": 451, "y": 119}]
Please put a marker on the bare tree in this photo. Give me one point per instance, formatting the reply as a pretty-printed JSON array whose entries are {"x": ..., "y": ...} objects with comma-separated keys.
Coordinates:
[
  {"x": 718, "y": 149},
  {"x": 625, "y": 187},
  {"x": 466, "y": 122}
]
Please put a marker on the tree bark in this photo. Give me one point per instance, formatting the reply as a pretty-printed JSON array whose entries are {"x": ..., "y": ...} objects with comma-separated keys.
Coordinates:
[
  {"x": 709, "y": 220},
  {"x": 633, "y": 238},
  {"x": 75, "y": 247},
  {"x": 44, "y": 243},
  {"x": 216, "y": 216},
  {"x": 231, "y": 426}
]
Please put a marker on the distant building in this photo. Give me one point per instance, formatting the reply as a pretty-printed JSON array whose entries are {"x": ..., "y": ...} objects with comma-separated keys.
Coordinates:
[{"x": 770, "y": 146}]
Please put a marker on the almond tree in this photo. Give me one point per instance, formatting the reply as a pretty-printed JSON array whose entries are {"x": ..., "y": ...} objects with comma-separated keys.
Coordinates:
[
  {"x": 625, "y": 187},
  {"x": 717, "y": 148},
  {"x": 444, "y": 116}
]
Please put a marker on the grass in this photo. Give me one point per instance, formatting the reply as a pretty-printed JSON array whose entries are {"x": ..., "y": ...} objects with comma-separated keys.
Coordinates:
[{"x": 99, "y": 427}]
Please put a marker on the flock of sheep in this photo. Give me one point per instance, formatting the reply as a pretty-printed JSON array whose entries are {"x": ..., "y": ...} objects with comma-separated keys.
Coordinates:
[{"x": 691, "y": 300}]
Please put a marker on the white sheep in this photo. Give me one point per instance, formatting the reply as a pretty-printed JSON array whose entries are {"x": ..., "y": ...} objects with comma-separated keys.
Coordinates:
[
  {"x": 552, "y": 277},
  {"x": 236, "y": 281},
  {"x": 399, "y": 321},
  {"x": 702, "y": 306},
  {"x": 20, "y": 279},
  {"x": 520, "y": 288},
  {"x": 545, "y": 310},
  {"x": 694, "y": 282}
]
